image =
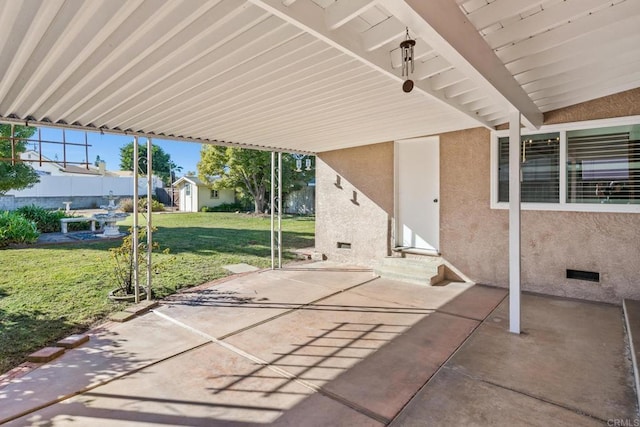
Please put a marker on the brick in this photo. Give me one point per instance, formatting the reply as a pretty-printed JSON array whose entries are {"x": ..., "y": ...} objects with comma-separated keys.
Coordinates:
[
  {"x": 73, "y": 341},
  {"x": 46, "y": 354},
  {"x": 142, "y": 307},
  {"x": 122, "y": 316}
]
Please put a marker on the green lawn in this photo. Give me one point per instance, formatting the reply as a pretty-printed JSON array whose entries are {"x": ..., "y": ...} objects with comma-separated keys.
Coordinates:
[{"x": 48, "y": 292}]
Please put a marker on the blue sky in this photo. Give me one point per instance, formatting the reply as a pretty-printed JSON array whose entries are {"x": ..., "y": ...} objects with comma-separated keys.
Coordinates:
[{"x": 107, "y": 146}]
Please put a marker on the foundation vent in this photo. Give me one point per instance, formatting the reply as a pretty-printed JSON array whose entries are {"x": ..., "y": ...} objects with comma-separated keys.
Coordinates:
[
  {"x": 590, "y": 276},
  {"x": 344, "y": 245}
]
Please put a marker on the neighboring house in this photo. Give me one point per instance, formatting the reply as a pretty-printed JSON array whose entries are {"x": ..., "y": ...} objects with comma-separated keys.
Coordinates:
[
  {"x": 85, "y": 187},
  {"x": 195, "y": 194},
  {"x": 46, "y": 166}
]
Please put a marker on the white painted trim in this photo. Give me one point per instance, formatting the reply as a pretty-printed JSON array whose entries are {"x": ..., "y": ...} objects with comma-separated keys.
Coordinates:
[
  {"x": 562, "y": 206},
  {"x": 562, "y": 171}
]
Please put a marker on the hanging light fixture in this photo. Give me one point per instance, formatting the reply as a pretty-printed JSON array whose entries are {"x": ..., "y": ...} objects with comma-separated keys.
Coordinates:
[
  {"x": 406, "y": 50},
  {"x": 307, "y": 164}
]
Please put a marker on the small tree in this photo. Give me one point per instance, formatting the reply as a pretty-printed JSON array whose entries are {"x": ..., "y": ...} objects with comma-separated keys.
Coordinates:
[
  {"x": 248, "y": 172},
  {"x": 15, "y": 175},
  {"x": 162, "y": 165}
]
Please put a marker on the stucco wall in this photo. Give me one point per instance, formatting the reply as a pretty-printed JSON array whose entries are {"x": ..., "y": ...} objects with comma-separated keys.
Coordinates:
[
  {"x": 363, "y": 221},
  {"x": 474, "y": 237}
]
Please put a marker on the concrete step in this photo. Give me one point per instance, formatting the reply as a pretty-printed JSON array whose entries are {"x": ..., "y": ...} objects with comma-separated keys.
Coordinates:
[
  {"x": 418, "y": 261},
  {"x": 409, "y": 270},
  {"x": 419, "y": 271},
  {"x": 631, "y": 310}
]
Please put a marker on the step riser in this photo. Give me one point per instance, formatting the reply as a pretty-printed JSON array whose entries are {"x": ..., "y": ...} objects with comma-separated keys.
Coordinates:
[
  {"x": 414, "y": 271},
  {"x": 421, "y": 274},
  {"x": 431, "y": 262},
  {"x": 408, "y": 279}
]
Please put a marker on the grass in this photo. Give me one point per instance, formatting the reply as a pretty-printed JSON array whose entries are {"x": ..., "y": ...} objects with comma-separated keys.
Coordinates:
[{"x": 48, "y": 292}]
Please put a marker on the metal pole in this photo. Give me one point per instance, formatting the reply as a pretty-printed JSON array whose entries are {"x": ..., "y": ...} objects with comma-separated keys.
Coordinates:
[
  {"x": 86, "y": 148},
  {"x": 272, "y": 205},
  {"x": 134, "y": 235},
  {"x": 64, "y": 148},
  {"x": 279, "y": 209},
  {"x": 13, "y": 144},
  {"x": 40, "y": 144},
  {"x": 514, "y": 223},
  {"x": 149, "y": 211}
]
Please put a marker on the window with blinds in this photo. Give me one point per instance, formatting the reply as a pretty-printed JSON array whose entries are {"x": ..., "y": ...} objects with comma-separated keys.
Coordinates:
[
  {"x": 540, "y": 166},
  {"x": 603, "y": 165}
]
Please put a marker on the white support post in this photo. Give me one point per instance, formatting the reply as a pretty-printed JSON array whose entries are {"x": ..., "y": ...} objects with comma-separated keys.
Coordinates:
[
  {"x": 514, "y": 223},
  {"x": 279, "y": 181},
  {"x": 149, "y": 211},
  {"x": 134, "y": 235},
  {"x": 272, "y": 206},
  {"x": 276, "y": 211}
]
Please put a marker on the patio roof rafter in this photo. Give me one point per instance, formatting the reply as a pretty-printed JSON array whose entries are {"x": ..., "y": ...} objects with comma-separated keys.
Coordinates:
[
  {"x": 305, "y": 16},
  {"x": 443, "y": 24}
]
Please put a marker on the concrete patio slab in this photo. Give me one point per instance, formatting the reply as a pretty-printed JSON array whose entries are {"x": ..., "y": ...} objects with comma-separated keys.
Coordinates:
[
  {"x": 350, "y": 351},
  {"x": 570, "y": 364},
  {"x": 412, "y": 295},
  {"x": 388, "y": 378},
  {"x": 240, "y": 268},
  {"x": 249, "y": 300},
  {"x": 455, "y": 399},
  {"x": 209, "y": 386},
  {"x": 376, "y": 357},
  {"x": 113, "y": 350},
  {"x": 322, "y": 340}
]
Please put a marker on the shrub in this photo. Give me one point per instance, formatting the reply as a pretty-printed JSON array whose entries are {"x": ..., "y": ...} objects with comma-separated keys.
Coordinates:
[
  {"x": 224, "y": 207},
  {"x": 14, "y": 228},
  {"x": 48, "y": 221},
  {"x": 127, "y": 205}
]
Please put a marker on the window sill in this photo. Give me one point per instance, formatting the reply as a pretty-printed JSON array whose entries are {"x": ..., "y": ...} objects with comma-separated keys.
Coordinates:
[{"x": 574, "y": 207}]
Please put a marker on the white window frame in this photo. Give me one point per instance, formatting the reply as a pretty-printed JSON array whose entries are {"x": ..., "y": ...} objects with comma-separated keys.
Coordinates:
[
  {"x": 562, "y": 128},
  {"x": 215, "y": 194}
]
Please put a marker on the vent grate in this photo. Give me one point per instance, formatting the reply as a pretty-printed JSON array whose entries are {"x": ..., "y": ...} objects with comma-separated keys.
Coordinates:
[{"x": 590, "y": 276}]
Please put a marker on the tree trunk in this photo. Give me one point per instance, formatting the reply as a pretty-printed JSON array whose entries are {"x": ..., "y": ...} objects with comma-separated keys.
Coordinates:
[{"x": 258, "y": 203}]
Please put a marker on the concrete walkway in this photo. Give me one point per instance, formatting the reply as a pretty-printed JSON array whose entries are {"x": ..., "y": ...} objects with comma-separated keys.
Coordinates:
[{"x": 329, "y": 346}]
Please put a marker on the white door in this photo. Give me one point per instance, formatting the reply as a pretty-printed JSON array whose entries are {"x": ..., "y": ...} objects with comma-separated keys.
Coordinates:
[{"x": 417, "y": 173}]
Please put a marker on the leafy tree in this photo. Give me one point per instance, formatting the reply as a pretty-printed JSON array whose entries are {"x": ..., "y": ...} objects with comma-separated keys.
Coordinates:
[
  {"x": 19, "y": 175},
  {"x": 162, "y": 165},
  {"x": 248, "y": 172}
]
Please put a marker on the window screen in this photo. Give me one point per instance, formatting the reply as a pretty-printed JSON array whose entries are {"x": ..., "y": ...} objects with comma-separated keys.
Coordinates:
[
  {"x": 540, "y": 166},
  {"x": 603, "y": 165}
]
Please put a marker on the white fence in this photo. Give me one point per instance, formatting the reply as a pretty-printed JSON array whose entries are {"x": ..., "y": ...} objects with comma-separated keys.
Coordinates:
[{"x": 81, "y": 186}]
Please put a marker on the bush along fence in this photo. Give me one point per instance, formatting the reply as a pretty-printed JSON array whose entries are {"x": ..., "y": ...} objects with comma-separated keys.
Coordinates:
[{"x": 24, "y": 226}]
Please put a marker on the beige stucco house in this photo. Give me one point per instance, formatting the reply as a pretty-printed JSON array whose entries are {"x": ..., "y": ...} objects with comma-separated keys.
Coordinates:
[
  {"x": 511, "y": 100},
  {"x": 584, "y": 232},
  {"x": 195, "y": 195}
]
